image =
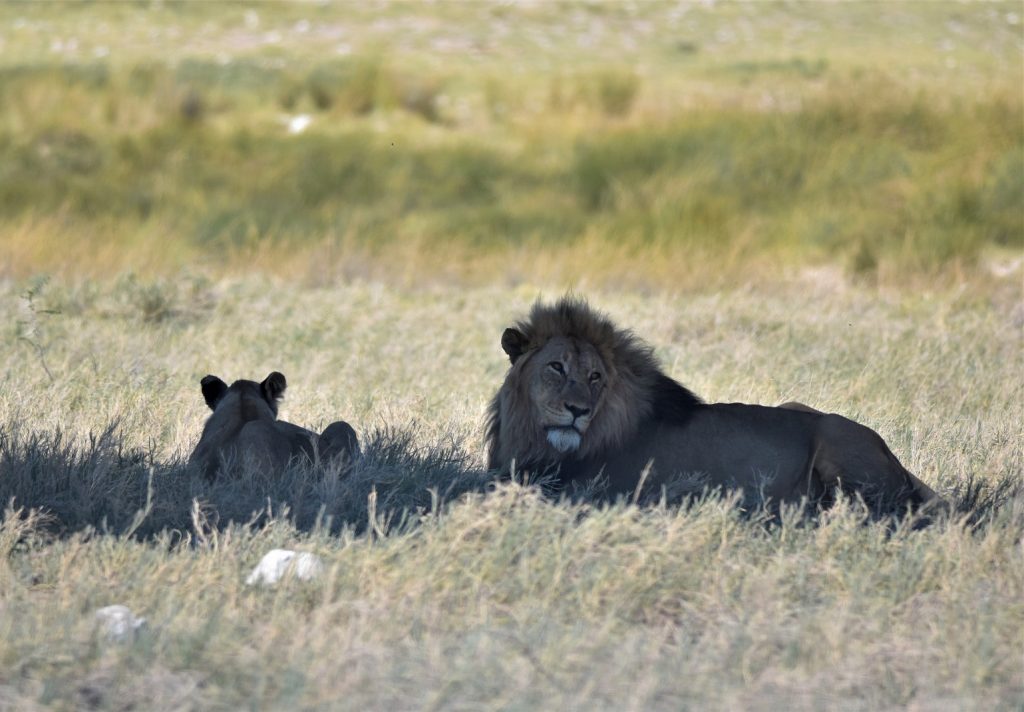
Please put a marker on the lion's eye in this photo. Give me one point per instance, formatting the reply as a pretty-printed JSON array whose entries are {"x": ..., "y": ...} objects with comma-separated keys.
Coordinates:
[
  {"x": 557, "y": 365},
  {"x": 595, "y": 377}
]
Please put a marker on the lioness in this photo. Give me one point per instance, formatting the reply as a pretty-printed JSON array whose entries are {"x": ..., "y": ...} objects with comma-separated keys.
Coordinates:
[
  {"x": 244, "y": 430},
  {"x": 583, "y": 399}
]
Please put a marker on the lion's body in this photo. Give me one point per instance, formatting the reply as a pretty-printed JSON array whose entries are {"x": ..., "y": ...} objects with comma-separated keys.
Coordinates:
[
  {"x": 639, "y": 431},
  {"x": 243, "y": 432},
  {"x": 773, "y": 454}
]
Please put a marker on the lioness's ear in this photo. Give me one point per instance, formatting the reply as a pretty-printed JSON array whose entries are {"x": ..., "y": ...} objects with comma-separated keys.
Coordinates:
[
  {"x": 513, "y": 343},
  {"x": 273, "y": 387},
  {"x": 213, "y": 390}
]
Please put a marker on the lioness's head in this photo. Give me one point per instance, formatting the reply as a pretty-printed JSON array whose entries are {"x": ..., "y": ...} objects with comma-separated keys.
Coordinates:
[
  {"x": 254, "y": 401},
  {"x": 577, "y": 385}
]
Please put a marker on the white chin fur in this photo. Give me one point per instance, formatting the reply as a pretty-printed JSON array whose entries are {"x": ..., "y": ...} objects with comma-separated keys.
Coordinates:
[{"x": 564, "y": 439}]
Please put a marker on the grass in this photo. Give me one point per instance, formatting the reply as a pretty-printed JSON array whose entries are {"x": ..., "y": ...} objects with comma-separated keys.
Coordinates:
[
  {"x": 814, "y": 202},
  {"x": 509, "y": 600}
]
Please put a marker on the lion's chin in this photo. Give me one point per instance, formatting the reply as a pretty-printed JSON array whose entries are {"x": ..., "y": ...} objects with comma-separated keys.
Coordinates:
[{"x": 564, "y": 439}]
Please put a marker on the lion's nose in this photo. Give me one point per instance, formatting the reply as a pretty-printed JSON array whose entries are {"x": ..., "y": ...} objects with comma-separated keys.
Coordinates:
[{"x": 576, "y": 410}]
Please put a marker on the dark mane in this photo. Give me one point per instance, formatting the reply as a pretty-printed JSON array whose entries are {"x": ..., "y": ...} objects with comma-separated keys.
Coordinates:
[
  {"x": 572, "y": 317},
  {"x": 673, "y": 402}
]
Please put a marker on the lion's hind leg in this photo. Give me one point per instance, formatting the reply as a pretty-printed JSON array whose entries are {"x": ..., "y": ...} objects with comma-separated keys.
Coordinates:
[
  {"x": 857, "y": 457},
  {"x": 339, "y": 439}
]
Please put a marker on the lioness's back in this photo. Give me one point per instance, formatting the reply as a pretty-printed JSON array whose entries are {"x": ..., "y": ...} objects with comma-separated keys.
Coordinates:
[{"x": 243, "y": 430}]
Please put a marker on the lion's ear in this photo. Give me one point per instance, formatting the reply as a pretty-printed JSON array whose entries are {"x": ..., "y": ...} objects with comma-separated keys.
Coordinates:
[
  {"x": 273, "y": 387},
  {"x": 513, "y": 342},
  {"x": 213, "y": 390}
]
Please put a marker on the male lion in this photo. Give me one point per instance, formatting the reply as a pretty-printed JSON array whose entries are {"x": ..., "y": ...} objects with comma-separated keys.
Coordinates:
[
  {"x": 244, "y": 430},
  {"x": 584, "y": 399}
]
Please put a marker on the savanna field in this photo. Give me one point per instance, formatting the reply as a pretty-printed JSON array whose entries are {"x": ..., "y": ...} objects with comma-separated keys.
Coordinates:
[{"x": 820, "y": 202}]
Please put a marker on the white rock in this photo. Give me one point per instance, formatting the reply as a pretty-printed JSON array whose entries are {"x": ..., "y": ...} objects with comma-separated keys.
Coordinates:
[
  {"x": 1005, "y": 269},
  {"x": 119, "y": 623},
  {"x": 276, "y": 563},
  {"x": 298, "y": 124}
]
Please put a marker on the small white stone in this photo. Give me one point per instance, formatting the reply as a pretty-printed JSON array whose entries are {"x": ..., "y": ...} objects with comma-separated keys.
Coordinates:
[
  {"x": 276, "y": 563},
  {"x": 1005, "y": 269},
  {"x": 298, "y": 124},
  {"x": 119, "y": 623}
]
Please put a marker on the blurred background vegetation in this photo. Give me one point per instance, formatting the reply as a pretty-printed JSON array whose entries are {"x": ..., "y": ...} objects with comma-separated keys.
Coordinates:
[{"x": 661, "y": 142}]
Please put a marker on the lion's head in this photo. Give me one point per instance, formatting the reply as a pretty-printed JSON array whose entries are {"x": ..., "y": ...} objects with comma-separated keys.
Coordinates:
[{"x": 577, "y": 387}]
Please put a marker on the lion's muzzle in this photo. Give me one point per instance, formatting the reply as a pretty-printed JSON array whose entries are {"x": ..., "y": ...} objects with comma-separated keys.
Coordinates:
[{"x": 565, "y": 436}]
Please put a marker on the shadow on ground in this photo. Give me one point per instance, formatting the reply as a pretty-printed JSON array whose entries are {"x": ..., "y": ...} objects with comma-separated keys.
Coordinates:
[{"x": 103, "y": 485}]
